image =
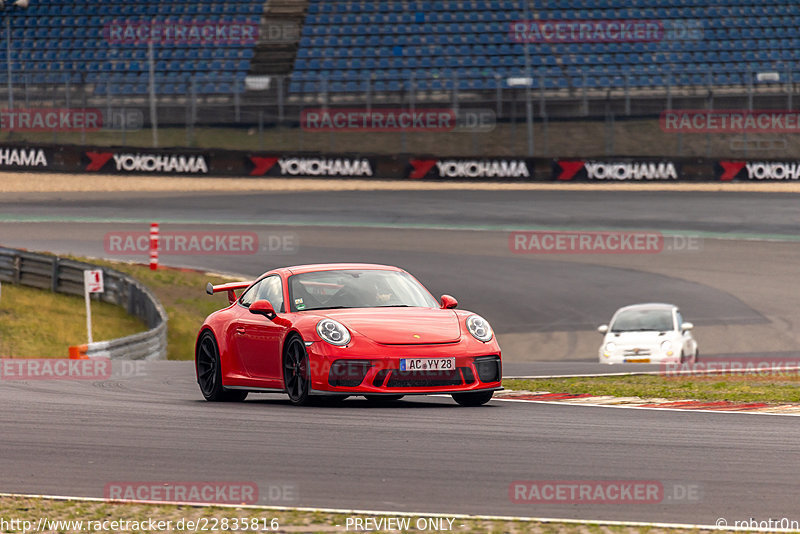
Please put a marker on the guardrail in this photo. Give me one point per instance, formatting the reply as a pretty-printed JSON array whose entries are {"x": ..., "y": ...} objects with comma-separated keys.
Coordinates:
[{"x": 63, "y": 275}]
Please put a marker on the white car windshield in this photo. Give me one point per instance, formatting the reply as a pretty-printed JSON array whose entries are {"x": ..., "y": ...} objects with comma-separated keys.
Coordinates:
[
  {"x": 368, "y": 288},
  {"x": 643, "y": 321}
]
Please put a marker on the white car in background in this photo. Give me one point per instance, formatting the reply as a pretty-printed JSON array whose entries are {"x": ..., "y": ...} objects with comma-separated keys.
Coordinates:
[{"x": 648, "y": 333}]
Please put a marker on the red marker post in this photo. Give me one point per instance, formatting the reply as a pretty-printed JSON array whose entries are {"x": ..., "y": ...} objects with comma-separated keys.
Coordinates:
[{"x": 153, "y": 246}]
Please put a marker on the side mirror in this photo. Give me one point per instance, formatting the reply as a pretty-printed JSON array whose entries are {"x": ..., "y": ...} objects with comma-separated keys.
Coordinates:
[
  {"x": 603, "y": 328},
  {"x": 263, "y": 307},
  {"x": 686, "y": 326},
  {"x": 448, "y": 302}
]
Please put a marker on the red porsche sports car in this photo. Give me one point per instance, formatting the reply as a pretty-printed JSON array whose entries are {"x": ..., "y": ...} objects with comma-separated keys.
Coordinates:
[{"x": 334, "y": 330}]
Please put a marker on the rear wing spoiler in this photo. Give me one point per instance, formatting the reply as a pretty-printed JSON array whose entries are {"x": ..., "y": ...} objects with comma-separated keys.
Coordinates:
[{"x": 230, "y": 287}]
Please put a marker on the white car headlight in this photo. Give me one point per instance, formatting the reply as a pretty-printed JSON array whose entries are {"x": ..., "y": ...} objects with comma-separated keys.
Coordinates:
[
  {"x": 610, "y": 346},
  {"x": 479, "y": 328},
  {"x": 666, "y": 347},
  {"x": 333, "y": 332}
]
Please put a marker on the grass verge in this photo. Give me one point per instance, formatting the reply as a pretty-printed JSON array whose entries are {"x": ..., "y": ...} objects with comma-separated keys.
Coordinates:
[
  {"x": 35, "y": 323},
  {"x": 770, "y": 388},
  {"x": 93, "y": 514}
]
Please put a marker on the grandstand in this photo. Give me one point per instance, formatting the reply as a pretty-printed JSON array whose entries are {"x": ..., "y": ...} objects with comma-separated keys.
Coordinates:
[
  {"x": 421, "y": 45},
  {"x": 441, "y": 44},
  {"x": 56, "y": 41},
  {"x": 271, "y": 59}
]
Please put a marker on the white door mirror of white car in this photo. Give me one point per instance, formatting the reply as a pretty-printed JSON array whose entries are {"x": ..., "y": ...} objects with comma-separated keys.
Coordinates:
[
  {"x": 686, "y": 326},
  {"x": 603, "y": 328}
]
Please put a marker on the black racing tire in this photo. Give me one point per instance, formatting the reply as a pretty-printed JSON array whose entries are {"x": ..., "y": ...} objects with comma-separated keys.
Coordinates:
[
  {"x": 477, "y": 398},
  {"x": 377, "y": 399},
  {"x": 296, "y": 376},
  {"x": 209, "y": 372}
]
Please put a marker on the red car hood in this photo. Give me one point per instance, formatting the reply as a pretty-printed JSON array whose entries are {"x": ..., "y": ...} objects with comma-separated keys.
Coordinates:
[{"x": 401, "y": 326}]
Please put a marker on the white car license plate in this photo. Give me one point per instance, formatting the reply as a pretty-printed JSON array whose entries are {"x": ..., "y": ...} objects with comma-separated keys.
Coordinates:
[
  {"x": 427, "y": 364},
  {"x": 637, "y": 360}
]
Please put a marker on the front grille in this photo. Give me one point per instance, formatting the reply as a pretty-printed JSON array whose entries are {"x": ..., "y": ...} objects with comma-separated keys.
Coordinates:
[
  {"x": 489, "y": 368},
  {"x": 411, "y": 379},
  {"x": 637, "y": 352},
  {"x": 348, "y": 373}
]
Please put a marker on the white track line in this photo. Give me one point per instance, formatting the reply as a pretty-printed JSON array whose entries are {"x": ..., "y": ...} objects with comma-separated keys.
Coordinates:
[
  {"x": 349, "y": 511},
  {"x": 675, "y": 372},
  {"x": 684, "y": 410}
]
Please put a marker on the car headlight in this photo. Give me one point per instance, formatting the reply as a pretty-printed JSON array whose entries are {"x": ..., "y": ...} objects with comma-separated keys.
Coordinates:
[
  {"x": 666, "y": 347},
  {"x": 610, "y": 346},
  {"x": 333, "y": 332},
  {"x": 479, "y": 328}
]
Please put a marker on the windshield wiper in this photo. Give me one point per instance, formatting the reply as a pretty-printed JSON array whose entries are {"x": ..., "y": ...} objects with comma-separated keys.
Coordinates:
[
  {"x": 394, "y": 306},
  {"x": 330, "y": 308}
]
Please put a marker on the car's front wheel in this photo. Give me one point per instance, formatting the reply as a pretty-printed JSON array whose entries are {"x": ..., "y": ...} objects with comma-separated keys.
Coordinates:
[
  {"x": 209, "y": 372},
  {"x": 296, "y": 376},
  {"x": 473, "y": 399}
]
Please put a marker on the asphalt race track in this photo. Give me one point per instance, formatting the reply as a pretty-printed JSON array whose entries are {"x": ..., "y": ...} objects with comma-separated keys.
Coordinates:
[{"x": 738, "y": 285}]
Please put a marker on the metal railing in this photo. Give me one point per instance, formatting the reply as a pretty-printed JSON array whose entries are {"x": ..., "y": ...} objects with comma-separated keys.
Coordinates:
[
  {"x": 544, "y": 115},
  {"x": 63, "y": 275}
]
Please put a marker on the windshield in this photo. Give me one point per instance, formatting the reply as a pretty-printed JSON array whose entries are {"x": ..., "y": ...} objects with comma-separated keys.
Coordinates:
[
  {"x": 357, "y": 289},
  {"x": 643, "y": 320}
]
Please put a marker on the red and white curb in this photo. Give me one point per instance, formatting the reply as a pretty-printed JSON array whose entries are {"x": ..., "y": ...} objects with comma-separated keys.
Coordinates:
[{"x": 544, "y": 397}]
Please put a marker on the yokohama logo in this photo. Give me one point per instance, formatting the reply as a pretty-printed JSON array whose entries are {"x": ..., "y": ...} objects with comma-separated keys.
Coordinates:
[
  {"x": 312, "y": 166},
  {"x": 148, "y": 163},
  {"x": 470, "y": 168},
  {"x": 19, "y": 157},
  {"x": 609, "y": 170},
  {"x": 761, "y": 170}
]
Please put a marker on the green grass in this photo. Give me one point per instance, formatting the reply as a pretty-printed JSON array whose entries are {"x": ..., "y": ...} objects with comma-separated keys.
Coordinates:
[
  {"x": 30, "y": 509},
  {"x": 745, "y": 388},
  {"x": 36, "y": 323}
]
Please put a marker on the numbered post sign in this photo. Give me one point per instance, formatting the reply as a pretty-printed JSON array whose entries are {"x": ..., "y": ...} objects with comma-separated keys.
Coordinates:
[{"x": 93, "y": 281}]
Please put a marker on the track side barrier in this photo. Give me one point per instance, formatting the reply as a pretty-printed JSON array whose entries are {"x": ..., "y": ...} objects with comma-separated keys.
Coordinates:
[
  {"x": 63, "y": 275},
  {"x": 295, "y": 164}
]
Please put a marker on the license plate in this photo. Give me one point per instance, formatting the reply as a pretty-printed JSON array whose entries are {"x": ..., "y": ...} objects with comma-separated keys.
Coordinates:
[
  {"x": 427, "y": 364},
  {"x": 637, "y": 360}
]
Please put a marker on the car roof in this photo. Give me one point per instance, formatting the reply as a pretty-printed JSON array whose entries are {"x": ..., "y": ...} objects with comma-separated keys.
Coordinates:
[
  {"x": 316, "y": 267},
  {"x": 648, "y": 306}
]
